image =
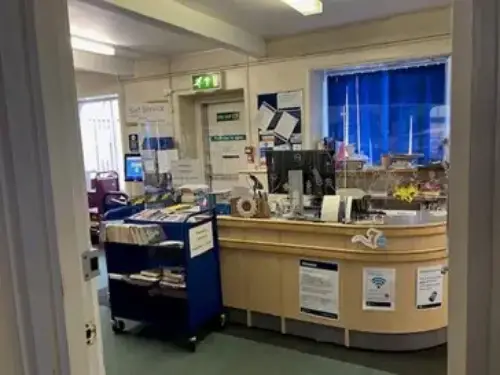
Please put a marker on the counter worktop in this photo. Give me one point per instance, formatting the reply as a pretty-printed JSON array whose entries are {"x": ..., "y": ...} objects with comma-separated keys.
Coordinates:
[{"x": 399, "y": 221}]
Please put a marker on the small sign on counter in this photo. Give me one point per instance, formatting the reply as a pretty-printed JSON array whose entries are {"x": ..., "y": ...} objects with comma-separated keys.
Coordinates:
[
  {"x": 319, "y": 288},
  {"x": 430, "y": 282}
]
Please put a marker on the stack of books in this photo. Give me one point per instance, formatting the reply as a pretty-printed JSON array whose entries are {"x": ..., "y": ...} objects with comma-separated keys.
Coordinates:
[
  {"x": 177, "y": 213},
  {"x": 173, "y": 277},
  {"x": 120, "y": 232}
]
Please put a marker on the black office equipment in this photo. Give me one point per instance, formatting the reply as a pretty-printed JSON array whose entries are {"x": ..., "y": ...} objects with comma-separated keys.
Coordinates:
[{"x": 317, "y": 166}]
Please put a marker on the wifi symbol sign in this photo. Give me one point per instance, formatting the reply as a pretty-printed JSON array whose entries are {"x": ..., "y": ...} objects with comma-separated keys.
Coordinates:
[{"x": 378, "y": 281}]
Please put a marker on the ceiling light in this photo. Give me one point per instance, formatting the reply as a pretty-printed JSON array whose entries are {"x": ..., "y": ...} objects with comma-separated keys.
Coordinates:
[
  {"x": 306, "y": 7},
  {"x": 91, "y": 46}
]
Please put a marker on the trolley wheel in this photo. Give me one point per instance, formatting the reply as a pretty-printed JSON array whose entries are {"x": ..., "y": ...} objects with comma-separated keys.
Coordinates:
[
  {"x": 118, "y": 326},
  {"x": 192, "y": 343},
  {"x": 222, "y": 321}
]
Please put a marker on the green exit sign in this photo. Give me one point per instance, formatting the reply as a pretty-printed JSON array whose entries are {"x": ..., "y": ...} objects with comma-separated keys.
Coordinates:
[{"x": 206, "y": 81}]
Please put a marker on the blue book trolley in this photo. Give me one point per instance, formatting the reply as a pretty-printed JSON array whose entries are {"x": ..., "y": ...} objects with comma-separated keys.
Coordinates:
[{"x": 183, "y": 313}]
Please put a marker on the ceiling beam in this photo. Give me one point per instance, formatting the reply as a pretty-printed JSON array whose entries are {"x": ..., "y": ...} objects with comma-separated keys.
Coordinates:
[
  {"x": 91, "y": 62},
  {"x": 182, "y": 19}
]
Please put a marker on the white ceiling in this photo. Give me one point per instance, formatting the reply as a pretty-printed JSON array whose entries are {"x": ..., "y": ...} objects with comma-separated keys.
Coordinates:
[
  {"x": 134, "y": 36},
  {"x": 272, "y": 18}
]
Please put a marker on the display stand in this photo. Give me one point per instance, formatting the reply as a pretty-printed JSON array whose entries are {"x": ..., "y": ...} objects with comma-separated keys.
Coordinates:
[{"x": 183, "y": 313}]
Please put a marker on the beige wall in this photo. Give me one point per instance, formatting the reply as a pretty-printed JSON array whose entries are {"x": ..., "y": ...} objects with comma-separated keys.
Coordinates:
[
  {"x": 95, "y": 84},
  {"x": 293, "y": 61}
]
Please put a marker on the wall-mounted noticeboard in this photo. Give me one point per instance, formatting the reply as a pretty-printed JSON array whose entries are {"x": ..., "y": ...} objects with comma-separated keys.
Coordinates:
[{"x": 279, "y": 121}]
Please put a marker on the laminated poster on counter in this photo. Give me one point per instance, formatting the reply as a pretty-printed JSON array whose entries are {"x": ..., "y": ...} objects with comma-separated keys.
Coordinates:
[
  {"x": 379, "y": 289},
  {"x": 430, "y": 288},
  {"x": 319, "y": 289}
]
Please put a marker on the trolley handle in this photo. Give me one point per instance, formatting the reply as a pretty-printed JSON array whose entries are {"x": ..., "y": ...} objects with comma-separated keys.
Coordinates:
[{"x": 203, "y": 212}]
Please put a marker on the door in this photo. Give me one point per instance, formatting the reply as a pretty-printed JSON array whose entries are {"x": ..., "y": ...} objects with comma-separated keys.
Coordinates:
[
  {"x": 49, "y": 322},
  {"x": 227, "y": 138}
]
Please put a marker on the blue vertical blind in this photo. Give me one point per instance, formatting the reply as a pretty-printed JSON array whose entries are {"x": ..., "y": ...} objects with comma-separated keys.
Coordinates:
[{"x": 396, "y": 111}]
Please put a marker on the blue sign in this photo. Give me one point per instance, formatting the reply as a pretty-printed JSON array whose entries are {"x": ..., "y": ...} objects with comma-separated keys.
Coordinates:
[
  {"x": 133, "y": 168},
  {"x": 158, "y": 143}
]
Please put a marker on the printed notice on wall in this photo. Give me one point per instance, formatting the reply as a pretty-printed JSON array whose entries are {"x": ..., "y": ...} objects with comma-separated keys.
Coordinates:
[
  {"x": 290, "y": 99},
  {"x": 201, "y": 239},
  {"x": 379, "y": 288},
  {"x": 319, "y": 289},
  {"x": 430, "y": 287}
]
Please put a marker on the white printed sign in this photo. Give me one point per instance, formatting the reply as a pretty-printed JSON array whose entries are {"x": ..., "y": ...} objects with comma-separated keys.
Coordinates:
[
  {"x": 290, "y": 99},
  {"x": 201, "y": 239},
  {"x": 319, "y": 289},
  {"x": 187, "y": 171},
  {"x": 147, "y": 112},
  {"x": 379, "y": 288},
  {"x": 430, "y": 287}
]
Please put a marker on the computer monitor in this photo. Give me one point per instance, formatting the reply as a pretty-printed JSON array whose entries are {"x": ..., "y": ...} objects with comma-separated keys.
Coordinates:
[
  {"x": 133, "y": 168},
  {"x": 317, "y": 166}
]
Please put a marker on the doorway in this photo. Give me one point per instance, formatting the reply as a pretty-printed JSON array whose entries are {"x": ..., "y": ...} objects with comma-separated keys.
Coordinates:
[{"x": 225, "y": 138}]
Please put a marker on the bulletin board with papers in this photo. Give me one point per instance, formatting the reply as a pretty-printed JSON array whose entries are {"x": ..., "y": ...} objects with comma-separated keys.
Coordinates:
[{"x": 279, "y": 121}]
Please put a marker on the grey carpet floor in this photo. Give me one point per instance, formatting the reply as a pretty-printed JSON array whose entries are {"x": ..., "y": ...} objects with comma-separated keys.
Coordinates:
[
  {"x": 251, "y": 351},
  {"x": 245, "y": 351},
  {"x": 218, "y": 354}
]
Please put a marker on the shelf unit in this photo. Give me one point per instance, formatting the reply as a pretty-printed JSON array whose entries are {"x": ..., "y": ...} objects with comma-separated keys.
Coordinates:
[{"x": 184, "y": 313}]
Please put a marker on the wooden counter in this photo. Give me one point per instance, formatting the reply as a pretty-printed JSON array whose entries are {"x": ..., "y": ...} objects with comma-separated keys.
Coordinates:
[{"x": 260, "y": 261}]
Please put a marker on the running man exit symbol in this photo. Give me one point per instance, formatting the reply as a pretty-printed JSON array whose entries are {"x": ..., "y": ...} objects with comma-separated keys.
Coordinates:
[{"x": 206, "y": 81}]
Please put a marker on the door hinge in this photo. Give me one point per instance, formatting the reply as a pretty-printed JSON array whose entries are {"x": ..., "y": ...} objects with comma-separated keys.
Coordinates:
[{"x": 90, "y": 333}]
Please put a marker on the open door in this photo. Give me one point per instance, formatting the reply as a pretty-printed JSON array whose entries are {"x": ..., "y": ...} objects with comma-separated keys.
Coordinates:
[{"x": 48, "y": 314}]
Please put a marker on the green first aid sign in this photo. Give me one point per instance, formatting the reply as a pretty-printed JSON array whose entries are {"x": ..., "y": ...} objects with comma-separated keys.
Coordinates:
[
  {"x": 228, "y": 116},
  {"x": 228, "y": 137}
]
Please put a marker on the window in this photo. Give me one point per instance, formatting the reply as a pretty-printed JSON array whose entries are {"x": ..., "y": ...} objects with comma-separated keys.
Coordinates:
[
  {"x": 101, "y": 135},
  {"x": 398, "y": 109}
]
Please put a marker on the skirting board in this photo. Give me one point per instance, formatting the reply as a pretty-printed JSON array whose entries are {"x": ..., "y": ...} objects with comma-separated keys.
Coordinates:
[{"x": 352, "y": 338}]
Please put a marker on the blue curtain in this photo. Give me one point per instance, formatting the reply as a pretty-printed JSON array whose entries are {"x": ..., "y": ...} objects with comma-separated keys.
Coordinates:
[{"x": 378, "y": 109}]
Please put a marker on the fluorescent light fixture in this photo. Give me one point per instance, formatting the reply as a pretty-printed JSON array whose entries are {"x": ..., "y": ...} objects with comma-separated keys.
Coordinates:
[
  {"x": 87, "y": 45},
  {"x": 306, "y": 7}
]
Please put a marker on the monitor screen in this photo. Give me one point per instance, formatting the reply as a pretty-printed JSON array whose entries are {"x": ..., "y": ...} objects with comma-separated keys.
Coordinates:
[
  {"x": 317, "y": 166},
  {"x": 133, "y": 168}
]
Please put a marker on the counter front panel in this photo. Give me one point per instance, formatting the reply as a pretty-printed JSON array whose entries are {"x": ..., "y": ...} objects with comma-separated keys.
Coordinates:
[{"x": 261, "y": 279}]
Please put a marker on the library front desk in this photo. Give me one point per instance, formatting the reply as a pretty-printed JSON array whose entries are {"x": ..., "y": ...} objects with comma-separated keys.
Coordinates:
[{"x": 380, "y": 287}]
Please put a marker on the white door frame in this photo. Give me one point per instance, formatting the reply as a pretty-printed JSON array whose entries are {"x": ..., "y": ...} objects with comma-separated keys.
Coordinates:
[
  {"x": 44, "y": 302},
  {"x": 205, "y": 130},
  {"x": 474, "y": 193},
  {"x": 201, "y": 119}
]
